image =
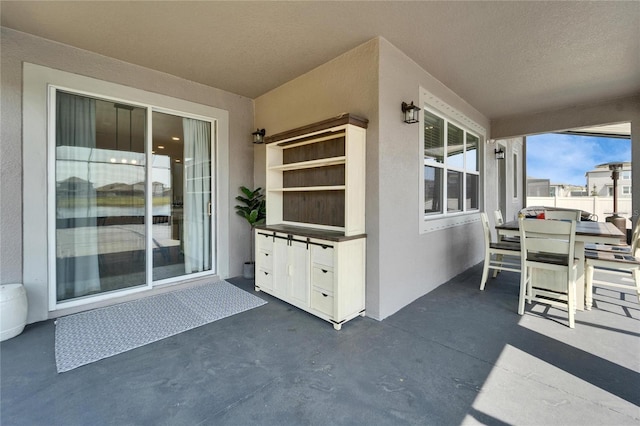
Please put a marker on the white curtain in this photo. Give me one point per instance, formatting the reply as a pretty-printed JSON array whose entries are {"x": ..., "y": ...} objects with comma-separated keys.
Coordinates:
[
  {"x": 197, "y": 173},
  {"x": 77, "y": 270}
]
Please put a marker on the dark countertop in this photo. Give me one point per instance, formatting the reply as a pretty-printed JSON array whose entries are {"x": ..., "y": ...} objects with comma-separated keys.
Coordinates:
[{"x": 322, "y": 234}]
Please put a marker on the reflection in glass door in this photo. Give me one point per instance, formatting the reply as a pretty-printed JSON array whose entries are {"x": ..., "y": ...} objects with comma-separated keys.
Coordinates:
[
  {"x": 99, "y": 196},
  {"x": 107, "y": 236},
  {"x": 181, "y": 180}
]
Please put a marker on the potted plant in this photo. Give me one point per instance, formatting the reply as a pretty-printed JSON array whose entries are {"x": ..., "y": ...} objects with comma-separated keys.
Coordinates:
[{"x": 254, "y": 210}]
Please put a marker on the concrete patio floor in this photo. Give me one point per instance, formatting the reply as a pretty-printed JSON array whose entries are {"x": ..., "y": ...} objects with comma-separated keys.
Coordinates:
[{"x": 455, "y": 356}]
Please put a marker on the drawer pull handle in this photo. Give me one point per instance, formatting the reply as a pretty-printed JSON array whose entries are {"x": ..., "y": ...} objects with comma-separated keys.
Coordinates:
[
  {"x": 266, "y": 254},
  {"x": 325, "y": 295},
  {"x": 266, "y": 273},
  {"x": 324, "y": 271}
]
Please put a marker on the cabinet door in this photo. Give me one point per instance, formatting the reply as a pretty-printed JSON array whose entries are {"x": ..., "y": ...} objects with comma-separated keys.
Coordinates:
[
  {"x": 299, "y": 272},
  {"x": 280, "y": 266}
]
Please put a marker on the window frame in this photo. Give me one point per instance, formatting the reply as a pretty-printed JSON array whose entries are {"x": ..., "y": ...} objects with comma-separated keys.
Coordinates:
[{"x": 450, "y": 116}]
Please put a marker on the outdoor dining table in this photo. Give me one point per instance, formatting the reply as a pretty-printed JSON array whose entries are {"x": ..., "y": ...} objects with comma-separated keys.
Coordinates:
[{"x": 586, "y": 232}]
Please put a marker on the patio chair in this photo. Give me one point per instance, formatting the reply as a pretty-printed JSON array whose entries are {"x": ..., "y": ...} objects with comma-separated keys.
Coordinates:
[
  {"x": 548, "y": 245},
  {"x": 499, "y": 220},
  {"x": 495, "y": 252},
  {"x": 622, "y": 248},
  {"x": 562, "y": 215},
  {"x": 625, "y": 265}
]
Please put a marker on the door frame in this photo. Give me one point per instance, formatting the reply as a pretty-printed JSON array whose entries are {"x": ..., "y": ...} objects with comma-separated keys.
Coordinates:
[{"x": 36, "y": 193}]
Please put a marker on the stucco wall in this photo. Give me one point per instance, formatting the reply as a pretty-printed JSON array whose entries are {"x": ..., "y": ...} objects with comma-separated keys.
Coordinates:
[
  {"x": 348, "y": 83},
  {"x": 413, "y": 263},
  {"x": 18, "y": 47}
]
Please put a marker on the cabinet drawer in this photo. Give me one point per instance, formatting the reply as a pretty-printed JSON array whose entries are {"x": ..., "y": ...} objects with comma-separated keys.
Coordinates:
[
  {"x": 322, "y": 301},
  {"x": 264, "y": 241},
  {"x": 322, "y": 255},
  {"x": 264, "y": 278},
  {"x": 322, "y": 277},
  {"x": 265, "y": 259}
]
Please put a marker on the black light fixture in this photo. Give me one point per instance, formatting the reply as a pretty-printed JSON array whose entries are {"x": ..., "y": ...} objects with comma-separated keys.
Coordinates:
[
  {"x": 410, "y": 112},
  {"x": 258, "y": 136},
  {"x": 499, "y": 154}
]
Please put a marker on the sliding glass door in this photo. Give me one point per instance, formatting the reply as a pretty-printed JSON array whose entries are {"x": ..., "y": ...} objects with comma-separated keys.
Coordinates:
[
  {"x": 126, "y": 217},
  {"x": 182, "y": 201}
]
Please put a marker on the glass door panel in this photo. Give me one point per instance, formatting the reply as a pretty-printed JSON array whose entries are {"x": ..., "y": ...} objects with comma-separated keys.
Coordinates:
[
  {"x": 181, "y": 194},
  {"x": 99, "y": 196}
]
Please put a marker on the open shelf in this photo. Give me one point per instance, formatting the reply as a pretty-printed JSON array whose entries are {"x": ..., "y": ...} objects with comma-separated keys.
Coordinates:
[
  {"x": 322, "y": 162},
  {"x": 310, "y": 188}
]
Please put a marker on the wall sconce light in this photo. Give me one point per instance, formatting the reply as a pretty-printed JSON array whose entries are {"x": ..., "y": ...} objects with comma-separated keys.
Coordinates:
[
  {"x": 410, "y": 112},
  {"x": 258, "y": 136},
  {"x": 499, "y": 154}
]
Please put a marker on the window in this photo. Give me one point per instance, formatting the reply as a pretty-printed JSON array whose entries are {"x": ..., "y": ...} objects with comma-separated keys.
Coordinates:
[
  {"x": 610, "y": 191},
  {"x": 626, "y": 190},
  {"x": 625, "y": 175},
  {"x": 450, "y": 167}
]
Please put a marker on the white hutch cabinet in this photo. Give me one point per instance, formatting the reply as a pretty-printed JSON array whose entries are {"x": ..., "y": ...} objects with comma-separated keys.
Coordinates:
[{"x": 311, "y": 252}]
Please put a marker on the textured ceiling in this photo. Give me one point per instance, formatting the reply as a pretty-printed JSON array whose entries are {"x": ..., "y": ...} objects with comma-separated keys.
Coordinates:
[{"x": 504, "y": 58}]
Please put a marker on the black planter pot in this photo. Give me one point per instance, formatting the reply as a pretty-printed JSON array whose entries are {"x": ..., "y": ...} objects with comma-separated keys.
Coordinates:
[{"x": 248, "y": 270}]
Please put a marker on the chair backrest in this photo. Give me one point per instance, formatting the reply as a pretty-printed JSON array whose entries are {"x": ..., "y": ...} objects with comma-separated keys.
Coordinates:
[
  {"x": 635, "y": 240},
  {"x": 554, "y": 237},
  {"x": 487, "y": 230},
  {"x": 562, "y": 215},
  {"x": 497, "y": 215},
  {"x": 634, "y": 237}
]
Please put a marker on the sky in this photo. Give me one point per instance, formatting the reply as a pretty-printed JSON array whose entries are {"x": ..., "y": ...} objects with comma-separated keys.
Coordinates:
[{"x": 566, "y": 158}]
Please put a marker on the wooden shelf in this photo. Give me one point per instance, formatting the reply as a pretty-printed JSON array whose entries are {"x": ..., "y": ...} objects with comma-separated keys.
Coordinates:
[
  {"x": 315, "y": 128},
  {"x": 309, "y": 188},
  {"x": 322, "y": 162},
  {"x": 316, "y": 175}
]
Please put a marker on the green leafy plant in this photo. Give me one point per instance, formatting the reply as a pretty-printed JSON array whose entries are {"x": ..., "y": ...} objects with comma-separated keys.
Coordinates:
[{"x": 253, "y": 208}]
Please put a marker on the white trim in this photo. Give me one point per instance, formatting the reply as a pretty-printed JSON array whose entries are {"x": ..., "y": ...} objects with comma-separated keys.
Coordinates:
[
  {"x": 451, "y": 221},
  {"x": 148, "y": 224},
  {"x": 450, "y": 112},
  {"x": 37, "y": 232}
]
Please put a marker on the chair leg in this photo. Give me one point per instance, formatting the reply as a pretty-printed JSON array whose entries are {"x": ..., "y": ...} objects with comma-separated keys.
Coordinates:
[
  {"x": 523, "y": 286},
  {"x": 588, "y": 297},
  {"x": 499, "y": 258},
  {"x": 636, "y": 279},
  {"x": 571, "y": 301},
  {"x": 485, "y": 271}
]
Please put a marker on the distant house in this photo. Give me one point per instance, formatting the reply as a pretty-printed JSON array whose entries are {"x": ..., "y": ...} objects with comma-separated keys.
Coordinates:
[
  {"x": 544, "y": 188},
  {"x": 538, "y": 187},
  {"x": 566, "y": 190},
  {"x": 75, "y": 187},
  {"x": 600, "y": 182}
]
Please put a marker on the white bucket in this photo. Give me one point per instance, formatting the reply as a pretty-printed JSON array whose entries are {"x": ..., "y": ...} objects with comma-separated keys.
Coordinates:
[{"x": 13, "y": 310}]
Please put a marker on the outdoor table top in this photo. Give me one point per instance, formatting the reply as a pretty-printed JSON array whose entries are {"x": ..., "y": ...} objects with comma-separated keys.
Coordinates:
[{"x": 595, "y": 229}]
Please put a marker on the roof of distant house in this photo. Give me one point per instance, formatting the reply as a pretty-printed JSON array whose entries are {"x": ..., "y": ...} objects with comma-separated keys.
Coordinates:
[{"x": 625, "y": 164}]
